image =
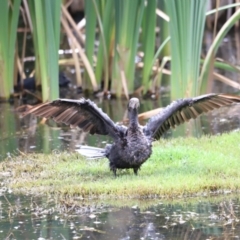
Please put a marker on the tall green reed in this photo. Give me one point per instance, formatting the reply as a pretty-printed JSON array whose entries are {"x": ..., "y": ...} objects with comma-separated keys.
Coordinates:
[
  {"x": 128, "y": 19},
  {"x": 187, "y": 19},
  {"x": 45, "y": 16},
  {"x": 149, "y": 36},
  {"x": 105, "y": 19},
  {"x": 124, "y": 27},
  {"x": 9, "y": 13},
  {"x": 91, "y": 19}
]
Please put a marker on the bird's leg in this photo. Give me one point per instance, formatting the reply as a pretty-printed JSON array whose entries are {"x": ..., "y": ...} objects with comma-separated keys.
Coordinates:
[
  {"x": 114, "y": 172},
  {"x": 113, "y": 168},
  {"x": 135, "y": 170}
]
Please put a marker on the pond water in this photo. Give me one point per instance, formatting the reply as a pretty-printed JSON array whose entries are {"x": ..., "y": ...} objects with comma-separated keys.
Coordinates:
[{"x": 33, "y": 217}]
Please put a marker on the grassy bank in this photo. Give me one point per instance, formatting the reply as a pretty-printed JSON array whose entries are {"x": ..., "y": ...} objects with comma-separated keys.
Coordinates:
[{"x": 177, "y": 168}]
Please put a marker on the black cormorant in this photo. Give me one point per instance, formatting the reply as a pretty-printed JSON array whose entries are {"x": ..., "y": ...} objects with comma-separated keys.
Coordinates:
[{"x": 132, "y": 145}]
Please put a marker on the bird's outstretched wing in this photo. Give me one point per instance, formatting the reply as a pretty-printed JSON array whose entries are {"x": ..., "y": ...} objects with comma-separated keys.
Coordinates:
[
  {"x": 82, "y": 113},
  {"x": 183, "y": 110}
]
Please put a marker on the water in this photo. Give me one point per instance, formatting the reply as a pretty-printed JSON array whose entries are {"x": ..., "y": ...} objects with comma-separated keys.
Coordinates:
[{"x": 35, "y": 217}]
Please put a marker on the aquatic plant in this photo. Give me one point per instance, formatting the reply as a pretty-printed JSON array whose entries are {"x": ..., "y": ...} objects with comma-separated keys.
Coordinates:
[
  {"x": 45, "y": 18},
  {"x": 8, "y": 32},
  {"x": 186, "y": 25},
  {"x": 120, "y": 43}
]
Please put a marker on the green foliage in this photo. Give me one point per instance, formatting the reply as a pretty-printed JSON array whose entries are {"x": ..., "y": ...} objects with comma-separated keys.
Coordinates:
[
  {"x": 187, "y": 19},
  {"x": 122, "y": 29},
  {"x": 91, "y": 19},
  {"x": 8, "y": 30},
  {"x": 180, "y": 167},
  {"x": 105, "y": 20},
  {"x": 149, "y": 25},
  {"x": 45, "y": 16},
  {"x": 128, "y": 17},
  {"x": 119, "y": 24}
]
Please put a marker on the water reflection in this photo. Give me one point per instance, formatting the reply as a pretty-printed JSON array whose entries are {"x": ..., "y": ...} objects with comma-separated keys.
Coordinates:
[
  {"x": 30, "y": 135},
  {"x": 41, "y": 218}
]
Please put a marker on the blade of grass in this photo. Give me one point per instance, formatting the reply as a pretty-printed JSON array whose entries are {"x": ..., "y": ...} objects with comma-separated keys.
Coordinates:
[
  {"x": 90, "y": 28},
  {"x": 222, "y": 64},
  {"x": 41, "y": 36},
  {"x": 30, "y": 7},
  {"x": 163, "y": 25},
  {"x": 223, "y": 8},
  {"x": 45, "y": 16},
  {"x": 128, "y": 17},
  {"x": 9, "y": 14},
  {"x": 106, "y": 29},
  {"x": 54, "y": 16},
  {"x": 148, "y": 32},
  {"x": 4, "y": 90},
  {"x": 161, "y": 47},
  {"x": 52, "y": 10}
]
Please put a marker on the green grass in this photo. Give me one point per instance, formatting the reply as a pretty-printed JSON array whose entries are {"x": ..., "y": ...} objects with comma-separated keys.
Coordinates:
[{"x": 181, "y": 167}]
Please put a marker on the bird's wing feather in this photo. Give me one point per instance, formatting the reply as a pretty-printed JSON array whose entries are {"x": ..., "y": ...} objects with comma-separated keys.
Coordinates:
[
  {"x": 82, "y": 113},
  {"x": 183, "y": 110}
]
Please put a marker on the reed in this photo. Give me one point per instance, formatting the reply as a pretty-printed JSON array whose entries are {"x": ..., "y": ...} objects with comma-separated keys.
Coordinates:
[
  {"x": 116, "y": 31},
  {"x": 91, "y": 20},
  {"x": 148, "y": 42},
  {"x": 128, "y": 17},
  {"x": 105, "y": 17},
  {"x": 45, "y": 17},
  {"x": 9, "y": 13},
  {"x": 187, "y": 19},
  {"x": 214, "y": 47}
]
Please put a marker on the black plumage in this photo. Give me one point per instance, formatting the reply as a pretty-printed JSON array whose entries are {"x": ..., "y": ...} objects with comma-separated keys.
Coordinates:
[{"x": 132, "y": 145}]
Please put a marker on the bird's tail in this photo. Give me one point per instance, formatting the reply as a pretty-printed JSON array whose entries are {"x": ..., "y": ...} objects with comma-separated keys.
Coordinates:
[{"x": 91, "y": 152}]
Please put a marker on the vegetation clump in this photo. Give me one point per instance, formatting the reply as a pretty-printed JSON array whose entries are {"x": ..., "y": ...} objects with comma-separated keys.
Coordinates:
[{"x": 179, "y": 167}]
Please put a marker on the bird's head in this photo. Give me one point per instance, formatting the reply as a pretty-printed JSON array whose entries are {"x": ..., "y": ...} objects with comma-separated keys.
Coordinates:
[{"x": 133, "y": 104}]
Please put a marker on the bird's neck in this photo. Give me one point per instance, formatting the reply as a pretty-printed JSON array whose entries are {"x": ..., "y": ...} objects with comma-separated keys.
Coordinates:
[{"x": 133, "y": 118}]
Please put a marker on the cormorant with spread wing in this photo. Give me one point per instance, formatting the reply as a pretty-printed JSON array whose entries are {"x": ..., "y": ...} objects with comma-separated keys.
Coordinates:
[{"x": 132, "y": 145}]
